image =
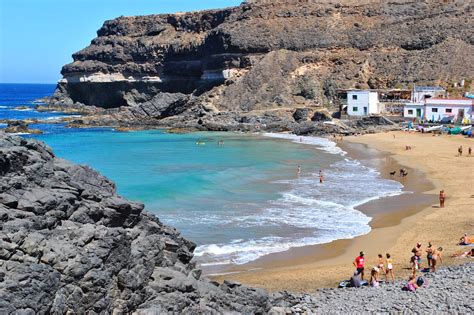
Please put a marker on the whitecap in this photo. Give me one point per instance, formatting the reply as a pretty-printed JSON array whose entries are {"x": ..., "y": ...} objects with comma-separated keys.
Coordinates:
[{"x": 322, "y": 143}]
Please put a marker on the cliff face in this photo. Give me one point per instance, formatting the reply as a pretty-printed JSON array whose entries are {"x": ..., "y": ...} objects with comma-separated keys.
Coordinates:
[{"x": 267, "y": 56}]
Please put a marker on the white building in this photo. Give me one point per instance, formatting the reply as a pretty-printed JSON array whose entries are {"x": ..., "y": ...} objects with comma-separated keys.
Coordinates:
[
  {"x": 362, "y": 103},
  {"x": 414, "y": 110},
  {"x": 421, "y": 93},
  {"x": 457, "y": 108}
]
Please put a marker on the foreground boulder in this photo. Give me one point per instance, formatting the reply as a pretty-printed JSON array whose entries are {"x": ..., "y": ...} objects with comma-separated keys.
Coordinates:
[{"x": 68, "y": 242}]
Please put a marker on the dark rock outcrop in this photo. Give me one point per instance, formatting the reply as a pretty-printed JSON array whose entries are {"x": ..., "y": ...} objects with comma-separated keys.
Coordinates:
[
  {"x": 18, "y": 126},
  {"x": 212, "y": 68},
  {"x": 68, "y": 242}
]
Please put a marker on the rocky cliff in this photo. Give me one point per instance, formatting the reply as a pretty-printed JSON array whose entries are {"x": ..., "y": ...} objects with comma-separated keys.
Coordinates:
[
  {"x": 69, "y": 243},
  {"x": 258, "y": 62}
]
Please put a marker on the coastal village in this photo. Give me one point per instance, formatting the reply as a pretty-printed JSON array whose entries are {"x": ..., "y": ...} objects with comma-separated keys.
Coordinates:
[{"x": 427, "y": 105}]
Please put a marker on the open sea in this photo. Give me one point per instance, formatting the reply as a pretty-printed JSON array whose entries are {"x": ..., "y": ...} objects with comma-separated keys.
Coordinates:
[{"x": 239, "y": 200}]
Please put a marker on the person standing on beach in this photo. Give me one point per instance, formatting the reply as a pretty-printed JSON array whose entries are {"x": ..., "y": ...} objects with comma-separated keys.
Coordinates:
[
  {"x": 429, "y": 254},
  {"x": 442, "y": 198},
  {"x": 389, "y": 269},
  {"x": 417, "y": 252},
  {"x": 436, "y": 257},
  {"x": 381, "y": 266},
  {"x": 359, "y": 263},
  {"x": 414, "y": 265},
  {"x": 469, "y": 151},
  {"x": 460, "y": 150}
]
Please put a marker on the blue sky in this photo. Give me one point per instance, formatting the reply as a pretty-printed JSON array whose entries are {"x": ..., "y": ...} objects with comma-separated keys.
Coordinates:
[{"x": 37, "y": 37}]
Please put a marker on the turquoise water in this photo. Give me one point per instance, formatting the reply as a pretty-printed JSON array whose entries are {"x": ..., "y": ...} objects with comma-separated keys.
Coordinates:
[{"x": 237, "y": 201}]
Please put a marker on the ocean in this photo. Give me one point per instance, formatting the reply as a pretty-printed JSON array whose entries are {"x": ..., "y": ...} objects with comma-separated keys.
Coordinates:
[{"x": 238, "y": 200}]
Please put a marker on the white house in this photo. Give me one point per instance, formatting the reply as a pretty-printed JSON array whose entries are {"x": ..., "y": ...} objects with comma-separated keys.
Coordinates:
[
  {"x": 421, "y": 93},
  {"x": 362, "y": 102},
  {"x": 414, "y": 110},
  {"x": 457, "y": 108}
]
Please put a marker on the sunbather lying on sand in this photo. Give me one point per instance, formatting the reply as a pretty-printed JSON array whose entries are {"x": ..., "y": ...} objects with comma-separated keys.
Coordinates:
[
  {"x": 466, "y": 240},
  {"x": 469, "y": 253}
]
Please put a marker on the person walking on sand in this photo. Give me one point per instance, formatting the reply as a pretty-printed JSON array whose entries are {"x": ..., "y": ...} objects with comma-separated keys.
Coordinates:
[
  {"x": 359, "y": 263},
  {"x": 436, "y": 258},
  {"x": 389, "y": 269},
  {"x": 442, "y": 198},
  {"x": 469, "y": 151},
  {"x": 460, "y": 150}
]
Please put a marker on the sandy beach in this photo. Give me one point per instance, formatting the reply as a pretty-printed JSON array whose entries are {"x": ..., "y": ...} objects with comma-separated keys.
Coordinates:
[{"x": 398, "y": 222}]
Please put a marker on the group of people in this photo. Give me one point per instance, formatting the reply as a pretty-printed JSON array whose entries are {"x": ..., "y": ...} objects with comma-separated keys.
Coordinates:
[
  {"x": 384, "y": 266},
  {"x": 321, "y": 175},
  {"x": 460, "y": 151},
  {"x": 337, "y": 138},
  {"x": 433, "y": 256},
  {"x": 466, "y": 240}
]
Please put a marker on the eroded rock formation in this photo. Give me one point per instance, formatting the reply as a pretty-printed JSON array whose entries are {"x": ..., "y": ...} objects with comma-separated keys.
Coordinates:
[{"x": 216, "y": 68}]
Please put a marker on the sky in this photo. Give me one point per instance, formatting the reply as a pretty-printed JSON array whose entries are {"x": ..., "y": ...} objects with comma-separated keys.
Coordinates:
[{"x": 38, "y": 37}]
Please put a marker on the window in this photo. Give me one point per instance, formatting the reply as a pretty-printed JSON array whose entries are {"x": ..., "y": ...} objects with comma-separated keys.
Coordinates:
[
  {"x": 449, "y": 110},
  {"x": 410, "y": 112},
  {"x": 354, "y": 97},
  {"x": 355, "y": 109},
  {"x": 434, "y": 110}
]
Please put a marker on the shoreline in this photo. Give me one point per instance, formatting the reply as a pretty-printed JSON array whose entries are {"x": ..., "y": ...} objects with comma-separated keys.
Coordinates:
[
  {"x": 318, "y": 266},
  {"x": 412, "y": 196}
]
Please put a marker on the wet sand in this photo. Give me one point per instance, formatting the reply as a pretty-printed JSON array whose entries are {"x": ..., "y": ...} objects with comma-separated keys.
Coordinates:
[{"x": 398, "y": 222}]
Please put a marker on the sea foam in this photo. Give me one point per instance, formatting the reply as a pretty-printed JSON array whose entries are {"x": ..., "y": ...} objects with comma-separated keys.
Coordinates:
[{"x": 311, "y": 212}]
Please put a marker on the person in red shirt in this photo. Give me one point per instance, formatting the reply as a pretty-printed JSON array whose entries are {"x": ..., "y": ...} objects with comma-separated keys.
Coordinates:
[{"x": 359, "y": 263}]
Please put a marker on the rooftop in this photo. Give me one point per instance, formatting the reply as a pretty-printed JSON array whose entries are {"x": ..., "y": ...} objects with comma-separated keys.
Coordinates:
[
  {"x": 428, "y": 88},
  {"x": 450, "y": 99}
]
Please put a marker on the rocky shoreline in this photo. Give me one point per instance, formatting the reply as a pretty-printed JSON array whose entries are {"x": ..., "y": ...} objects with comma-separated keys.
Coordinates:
[
  {"x": 300, "y": 122},
  {"x": 70, "y": 243}
]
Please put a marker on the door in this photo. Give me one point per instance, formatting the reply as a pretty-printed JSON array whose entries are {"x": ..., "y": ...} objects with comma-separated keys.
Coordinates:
[
  {"x": 365, "y": 111},
  {"x": 418, "y": 112}
]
